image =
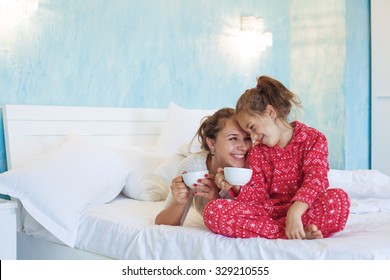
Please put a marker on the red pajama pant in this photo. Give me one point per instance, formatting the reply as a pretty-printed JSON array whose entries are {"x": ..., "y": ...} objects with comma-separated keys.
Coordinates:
[{"x": 234, "y": 218}]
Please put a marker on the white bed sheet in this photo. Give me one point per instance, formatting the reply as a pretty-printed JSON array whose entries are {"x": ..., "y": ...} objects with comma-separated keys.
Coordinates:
[{"x": 124, "y": 229}]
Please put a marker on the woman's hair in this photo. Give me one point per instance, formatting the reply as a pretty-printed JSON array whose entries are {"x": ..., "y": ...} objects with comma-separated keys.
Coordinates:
[
  {"x": 268, "y": 92},
  {"x": 212, "y": 125}
]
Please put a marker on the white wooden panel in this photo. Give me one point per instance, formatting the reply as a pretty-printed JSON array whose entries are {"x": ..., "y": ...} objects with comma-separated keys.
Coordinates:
[
  {"x": 40, "y": 112},
  {"x": 28, "y": 147},
  {"x": 33, "y": 129},
  {"x": 380, "y": 102},
  {"x": 7, "y": 230}
]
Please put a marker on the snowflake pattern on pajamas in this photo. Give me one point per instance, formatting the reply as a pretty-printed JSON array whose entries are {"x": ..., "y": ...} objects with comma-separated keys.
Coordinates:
[{"x": 281, "y": 176}]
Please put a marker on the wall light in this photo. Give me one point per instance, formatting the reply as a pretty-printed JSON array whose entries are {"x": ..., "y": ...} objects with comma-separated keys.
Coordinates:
[
  {"x": 13, "y": 13},
  {"x": 18, "y": 8},
  {"x": 243, "y": 42},
  {"x": 252, "y": 34}
]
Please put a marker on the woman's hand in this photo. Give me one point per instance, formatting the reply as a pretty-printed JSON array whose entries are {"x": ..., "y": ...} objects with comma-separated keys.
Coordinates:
[
  {"x": 179, "y": 190},
  {"x": 173, "y": 213},
  {"x": 207, "y": 188},
  {"x": 294, "y": 225}
]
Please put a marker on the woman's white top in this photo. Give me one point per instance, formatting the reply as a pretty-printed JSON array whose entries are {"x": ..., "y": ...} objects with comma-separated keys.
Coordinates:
[{"x": 193, "y": 163}]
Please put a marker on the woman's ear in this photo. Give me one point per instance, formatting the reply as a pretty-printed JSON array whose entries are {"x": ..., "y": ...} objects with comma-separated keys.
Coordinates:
[{"x": 211, "y": 143}]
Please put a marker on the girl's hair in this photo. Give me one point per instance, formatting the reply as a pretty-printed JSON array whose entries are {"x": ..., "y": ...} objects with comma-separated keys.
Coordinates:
[
  {"x": 268, "y": 92},
  {"x": 212, "y": 125}
]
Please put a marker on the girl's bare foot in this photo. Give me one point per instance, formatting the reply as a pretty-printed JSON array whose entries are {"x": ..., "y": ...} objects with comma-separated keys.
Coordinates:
[{"x": 312, "y": 232}]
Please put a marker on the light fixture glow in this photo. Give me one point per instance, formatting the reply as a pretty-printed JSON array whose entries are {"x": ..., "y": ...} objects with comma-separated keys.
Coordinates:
[
  {"x": 252, "y": 34},
  {"x": 12, "y": 14},
  {"x": 244, "y": 42},
  {"x": 18, "y": 8}
]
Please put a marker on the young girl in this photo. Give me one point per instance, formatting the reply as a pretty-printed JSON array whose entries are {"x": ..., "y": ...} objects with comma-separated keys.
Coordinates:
[
  {"x": 223, "y": 143},
  {"x": 288, "y": 195}
]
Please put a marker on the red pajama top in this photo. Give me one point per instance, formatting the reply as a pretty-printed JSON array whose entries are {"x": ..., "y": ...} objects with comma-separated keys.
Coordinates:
[{"x": 298, "y": 171}]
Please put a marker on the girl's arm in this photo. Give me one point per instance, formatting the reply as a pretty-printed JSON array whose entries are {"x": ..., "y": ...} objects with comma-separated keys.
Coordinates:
[
  {"x": 294, "y": 226},
  {"x": 315, "y": 169},
  {"x": 222, "y": 184}
]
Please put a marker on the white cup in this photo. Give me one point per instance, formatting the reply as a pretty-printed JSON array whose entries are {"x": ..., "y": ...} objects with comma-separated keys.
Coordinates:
[
  {"x": 192, "y": 178},
  {"x": 237, "y": 176}
]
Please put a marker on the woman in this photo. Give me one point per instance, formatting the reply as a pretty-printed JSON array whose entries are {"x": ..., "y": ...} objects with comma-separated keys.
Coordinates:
[{"x": 223, "y": 143}]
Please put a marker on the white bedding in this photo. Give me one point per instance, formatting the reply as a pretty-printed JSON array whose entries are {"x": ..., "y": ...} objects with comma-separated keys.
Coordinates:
[
  {"x": 135, "y": 236},
  {"x": 124, "y": 229}
]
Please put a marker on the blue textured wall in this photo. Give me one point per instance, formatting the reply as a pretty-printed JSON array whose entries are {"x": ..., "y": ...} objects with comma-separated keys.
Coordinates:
[
  {"x": 146, "y": 53},
  {"x": 357, "y": 85},
  {"x": 318, "y": 64}
]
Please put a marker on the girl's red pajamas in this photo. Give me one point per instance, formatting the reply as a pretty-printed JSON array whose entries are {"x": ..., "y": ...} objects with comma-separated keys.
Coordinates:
[{"x": 281, "y": 176}]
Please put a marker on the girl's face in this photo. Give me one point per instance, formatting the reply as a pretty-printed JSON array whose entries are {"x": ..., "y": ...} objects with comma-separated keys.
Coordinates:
[
  {"x": 262, "y": 128},
  {"x": 230, "y": 146}
]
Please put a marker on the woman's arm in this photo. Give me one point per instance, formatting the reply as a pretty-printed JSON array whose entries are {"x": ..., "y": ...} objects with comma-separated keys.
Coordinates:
[
  {"x": 171, "y": 215},
  {"x": 179, "y": 200}
]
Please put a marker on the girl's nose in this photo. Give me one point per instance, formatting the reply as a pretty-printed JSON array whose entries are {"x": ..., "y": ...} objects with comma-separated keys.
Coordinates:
[{"x": 253, "y": 136}]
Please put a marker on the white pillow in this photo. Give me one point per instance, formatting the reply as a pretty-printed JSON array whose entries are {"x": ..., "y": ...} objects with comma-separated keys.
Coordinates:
[
  {"x": 162, "y": 176},
  {"x": 180, "y": 127},
  {"x": 360, "y": 184},
  {"x": 150, "y": 172},
  {"x": 58, "y": 185}
]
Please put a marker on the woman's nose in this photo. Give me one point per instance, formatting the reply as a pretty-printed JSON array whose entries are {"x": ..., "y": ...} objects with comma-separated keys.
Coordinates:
[{"x": 244, "y": 145}]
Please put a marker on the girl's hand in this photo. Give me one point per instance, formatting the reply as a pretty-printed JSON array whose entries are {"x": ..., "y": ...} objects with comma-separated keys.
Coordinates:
[
  {"x": 220, "y": 180},
  {"x": 179, "y": 190},
  {"x": 223, "y": 184},
  {"x": 294, "y": 225},
  {"x": 207, "y": 188},
  {"x": 294, "y": 228}
]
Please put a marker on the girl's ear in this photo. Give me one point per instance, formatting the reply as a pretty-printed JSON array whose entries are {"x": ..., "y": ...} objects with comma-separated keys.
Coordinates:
[{"x": 270, "y": 111}]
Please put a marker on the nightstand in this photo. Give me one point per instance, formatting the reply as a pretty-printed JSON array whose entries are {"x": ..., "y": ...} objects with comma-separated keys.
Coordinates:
[{"x": 7, "y": 229}]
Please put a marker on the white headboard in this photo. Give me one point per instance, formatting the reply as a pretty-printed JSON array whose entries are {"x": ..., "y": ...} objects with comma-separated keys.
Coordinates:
[{"x": 30, "y": 130}]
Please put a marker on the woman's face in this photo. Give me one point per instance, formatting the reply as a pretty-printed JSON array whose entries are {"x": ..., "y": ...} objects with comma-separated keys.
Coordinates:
[{"x": 231, "y": 145}]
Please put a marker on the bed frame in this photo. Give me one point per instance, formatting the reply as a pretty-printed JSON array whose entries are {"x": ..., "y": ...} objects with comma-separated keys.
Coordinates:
[{"x": 30, "y": 130}]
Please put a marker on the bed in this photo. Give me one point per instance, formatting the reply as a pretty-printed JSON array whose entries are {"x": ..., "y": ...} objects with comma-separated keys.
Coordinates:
[{"x": 89, "y": 182}]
